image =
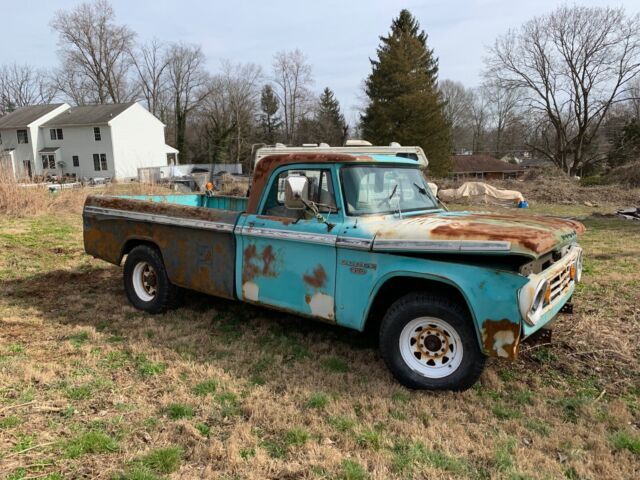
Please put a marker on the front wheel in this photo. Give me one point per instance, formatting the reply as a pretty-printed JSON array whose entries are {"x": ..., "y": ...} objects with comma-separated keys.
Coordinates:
[
  {"x": 429, "y": 343},
  {"x": 146, "y": 282}
]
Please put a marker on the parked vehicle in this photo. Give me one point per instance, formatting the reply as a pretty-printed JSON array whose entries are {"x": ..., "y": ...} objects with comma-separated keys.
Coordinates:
[{"x": 359, "y": 241}]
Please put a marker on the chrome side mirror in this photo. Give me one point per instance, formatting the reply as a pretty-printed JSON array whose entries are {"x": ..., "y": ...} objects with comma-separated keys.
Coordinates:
[{"x": 296, "y": 192}]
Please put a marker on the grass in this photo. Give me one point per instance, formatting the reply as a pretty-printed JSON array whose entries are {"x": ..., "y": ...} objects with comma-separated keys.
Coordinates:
[
  {"x": 205, "y": 388},
  {"x": 352, "y": 470},
  {"x": 217, "y": 389},
  {"x": 176, "y": 411},
  {"x": 317, "y": 400},
  {"x": 335, "y": 364},
  {"x": 89, "y": 443},
  {"x": 626, "y": 441}
]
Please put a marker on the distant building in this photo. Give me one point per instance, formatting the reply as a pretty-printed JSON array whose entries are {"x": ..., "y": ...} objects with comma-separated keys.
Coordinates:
[
  {"x": 483, "y": 167},
  {"x": 86, "y": 142}
]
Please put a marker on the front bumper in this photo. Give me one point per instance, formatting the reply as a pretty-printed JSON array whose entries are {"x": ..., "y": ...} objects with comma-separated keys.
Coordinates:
[{"x": 562, "y": 288}]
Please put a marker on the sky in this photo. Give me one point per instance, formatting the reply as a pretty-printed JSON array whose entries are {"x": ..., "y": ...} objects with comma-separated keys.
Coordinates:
[{"x": 338, "y": 37}]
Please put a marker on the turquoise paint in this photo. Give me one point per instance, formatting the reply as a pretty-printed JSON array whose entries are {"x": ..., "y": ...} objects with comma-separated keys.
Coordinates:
[
  {"x": 490, "y": 294},
  {"x": 354, "y": 277},
  {"x": 285, "y": 287},
  {"x": 234, "y": 204}
]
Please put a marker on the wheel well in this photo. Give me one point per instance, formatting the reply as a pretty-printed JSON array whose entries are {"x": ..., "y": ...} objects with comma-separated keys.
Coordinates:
[
  {"x": 136, "y": 242},
  {"x": 396, "y": 287}
]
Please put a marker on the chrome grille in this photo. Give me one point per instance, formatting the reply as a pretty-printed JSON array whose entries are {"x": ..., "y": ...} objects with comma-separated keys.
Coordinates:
[{"x": 560, "y": 282}]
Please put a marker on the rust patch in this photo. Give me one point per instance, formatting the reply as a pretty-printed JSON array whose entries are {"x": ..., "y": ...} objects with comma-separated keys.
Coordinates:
[
  {"x": 535, "y": 240},
  {"x": 256, "y": 264},
  {"x": 267, "y": 165},
  {"x": 500, "y": 338},
  {"x": 159, "y": 208},
  {"x": 283, "y": 220},
  {"x": 307, "y": 299},
  {"x": 317, "y": 279}
]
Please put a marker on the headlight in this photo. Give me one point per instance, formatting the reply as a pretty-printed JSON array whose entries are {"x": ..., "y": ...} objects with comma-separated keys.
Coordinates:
[
  {"x": 532, "y": 301},
  {"x": 579, "y": 268}
]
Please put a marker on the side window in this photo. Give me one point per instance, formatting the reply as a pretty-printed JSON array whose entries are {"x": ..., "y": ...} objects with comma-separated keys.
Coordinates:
[{"x": 321, "y": 192}]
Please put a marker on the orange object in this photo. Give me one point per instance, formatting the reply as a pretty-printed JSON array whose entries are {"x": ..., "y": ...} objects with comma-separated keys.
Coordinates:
[
  {"x": 547, "y": 294},
  {"x": 209, "y": 186},
  {"x": 572, "y": 271}
]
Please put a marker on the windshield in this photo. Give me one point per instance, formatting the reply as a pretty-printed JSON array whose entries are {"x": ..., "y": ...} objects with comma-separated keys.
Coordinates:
[{"x": 385, "y": 189}]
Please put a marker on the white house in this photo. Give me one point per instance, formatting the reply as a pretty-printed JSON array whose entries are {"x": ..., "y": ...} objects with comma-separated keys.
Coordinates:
[{"x": 88, "y": 141}]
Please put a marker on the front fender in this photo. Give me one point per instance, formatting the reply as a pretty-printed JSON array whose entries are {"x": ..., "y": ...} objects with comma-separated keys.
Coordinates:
[{"x": 491, "y": 294}]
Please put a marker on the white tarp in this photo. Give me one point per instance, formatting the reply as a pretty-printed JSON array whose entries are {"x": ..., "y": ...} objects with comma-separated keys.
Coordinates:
[{"x": 479, "y": 192}]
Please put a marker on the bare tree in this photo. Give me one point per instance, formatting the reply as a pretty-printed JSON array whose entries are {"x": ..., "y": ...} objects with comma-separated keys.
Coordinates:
[
  {"x": 94, "y": 53},
  {"x": 230, "y": 110},
  {"x": 479, "y": 113},
  {"x": 503, "y": 109},
  {"x": 150, "y": 62},
  {"x": 457, "y": 102},
  {"x": 187, "y": 87},
  {"x": 292, "y": 78},
  {"x": 572, "y": 66},
  {"x": 22, "y": 85}
]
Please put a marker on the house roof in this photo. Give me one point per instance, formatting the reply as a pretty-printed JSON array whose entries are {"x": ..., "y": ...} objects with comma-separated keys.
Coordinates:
[
  {"x": 24, "y": 116},
  {"x": 88, "y": 115},
  {"x": 481, "y": 163}
]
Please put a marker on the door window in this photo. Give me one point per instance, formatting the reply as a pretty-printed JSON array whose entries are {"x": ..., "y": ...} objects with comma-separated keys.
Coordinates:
[{"x": 321, "y": 193}]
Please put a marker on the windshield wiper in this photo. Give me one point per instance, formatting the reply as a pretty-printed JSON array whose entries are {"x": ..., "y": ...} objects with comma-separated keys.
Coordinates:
[{"x": 422, "y": 190}]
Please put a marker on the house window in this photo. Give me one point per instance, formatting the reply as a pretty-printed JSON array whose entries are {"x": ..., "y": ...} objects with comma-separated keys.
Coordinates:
[
  {"x": 75, "y": 160},
  {"x": 96, "y": 134},
  {"x": 48, "y": 162},
  {"x": 55, "y": 133},
  {"x": 22, "y": 136},
  {"x": 99, "y": 161}
]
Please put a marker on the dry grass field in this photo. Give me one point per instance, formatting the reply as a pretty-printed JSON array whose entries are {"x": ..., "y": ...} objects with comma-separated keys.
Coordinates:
[{"x": 91, "y": 388}]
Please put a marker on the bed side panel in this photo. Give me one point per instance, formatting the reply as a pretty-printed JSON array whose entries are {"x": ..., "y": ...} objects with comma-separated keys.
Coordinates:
[{"x": 197, "y": 244}]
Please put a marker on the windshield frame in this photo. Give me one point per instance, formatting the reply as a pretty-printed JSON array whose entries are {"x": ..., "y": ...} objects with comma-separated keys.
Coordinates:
[{"x": 391, "y": 211}]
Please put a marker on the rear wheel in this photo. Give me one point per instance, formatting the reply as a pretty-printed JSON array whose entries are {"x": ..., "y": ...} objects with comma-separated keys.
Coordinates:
[
  {"x": 146, "y": 282},
  {"x": 428, "y": 342}
]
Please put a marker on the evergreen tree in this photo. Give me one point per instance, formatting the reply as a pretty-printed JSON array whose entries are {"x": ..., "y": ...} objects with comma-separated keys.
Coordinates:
[
  {"x": 269, "y": 119},
  {"x": 404, "y": 103},
  {"x": 625, "y": 146},
  {"x": 332, "y": 127}
]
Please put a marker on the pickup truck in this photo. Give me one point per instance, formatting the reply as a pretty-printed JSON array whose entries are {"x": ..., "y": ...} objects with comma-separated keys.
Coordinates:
[{"x": 355, "y": 240}]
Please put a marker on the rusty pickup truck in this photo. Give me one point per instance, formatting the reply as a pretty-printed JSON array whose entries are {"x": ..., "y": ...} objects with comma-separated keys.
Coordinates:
[{"x": 355, "y": 240}]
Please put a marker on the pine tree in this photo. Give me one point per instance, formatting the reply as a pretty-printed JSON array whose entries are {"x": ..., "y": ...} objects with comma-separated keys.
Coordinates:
[
  {"x": 332, "y": 127},
  {"x": 269, "y": 120},
  {"x": 404, "y": 103}
]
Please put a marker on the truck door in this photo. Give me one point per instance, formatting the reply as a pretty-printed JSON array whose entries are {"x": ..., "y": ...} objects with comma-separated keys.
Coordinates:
[{"x": 288, "y": 257}]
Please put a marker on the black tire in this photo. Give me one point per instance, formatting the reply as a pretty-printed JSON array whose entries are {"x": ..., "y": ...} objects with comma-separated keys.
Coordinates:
[
  {"x": 165, "y": 292},
  {"x": 418, "y": 304}
]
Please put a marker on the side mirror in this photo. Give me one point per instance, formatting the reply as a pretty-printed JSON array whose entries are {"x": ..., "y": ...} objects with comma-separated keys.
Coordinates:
[{"x": 296, "y": 189}]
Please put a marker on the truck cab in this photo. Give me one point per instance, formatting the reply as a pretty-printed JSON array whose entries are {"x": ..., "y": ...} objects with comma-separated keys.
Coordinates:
[{"x": 359, "y": 241}]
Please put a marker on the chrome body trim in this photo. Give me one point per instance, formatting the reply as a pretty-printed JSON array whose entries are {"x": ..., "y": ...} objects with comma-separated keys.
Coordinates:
[
  {"x": 320, "y": 238},
  {"x": 441, "y": 245},
  {"x": 163, "y": 219}
]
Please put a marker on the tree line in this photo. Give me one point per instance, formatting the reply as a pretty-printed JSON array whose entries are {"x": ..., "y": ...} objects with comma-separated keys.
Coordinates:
[{"x": 564, "y": 86}]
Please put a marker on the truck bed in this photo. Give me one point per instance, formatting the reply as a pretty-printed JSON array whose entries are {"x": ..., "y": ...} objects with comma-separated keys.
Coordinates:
[
  {"x": 235, "y": 204},
  {"x": 194, "y": 234}
]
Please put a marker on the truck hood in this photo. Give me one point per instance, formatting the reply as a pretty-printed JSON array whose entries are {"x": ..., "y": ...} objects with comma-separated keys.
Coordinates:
[{"x": 466, "y": 232}]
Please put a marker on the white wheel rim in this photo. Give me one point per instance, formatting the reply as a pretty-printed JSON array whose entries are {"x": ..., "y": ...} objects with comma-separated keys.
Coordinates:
[
  {"x": 431, "y": 347},
  {"x": 144, "y": 281}
]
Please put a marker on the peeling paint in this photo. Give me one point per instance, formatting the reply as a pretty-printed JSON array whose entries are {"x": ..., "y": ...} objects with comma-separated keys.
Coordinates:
[
  {"x": 250, "y": 291},
  {"x": 321, "y": 305},
  {"x": 500, "y": 338}
]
